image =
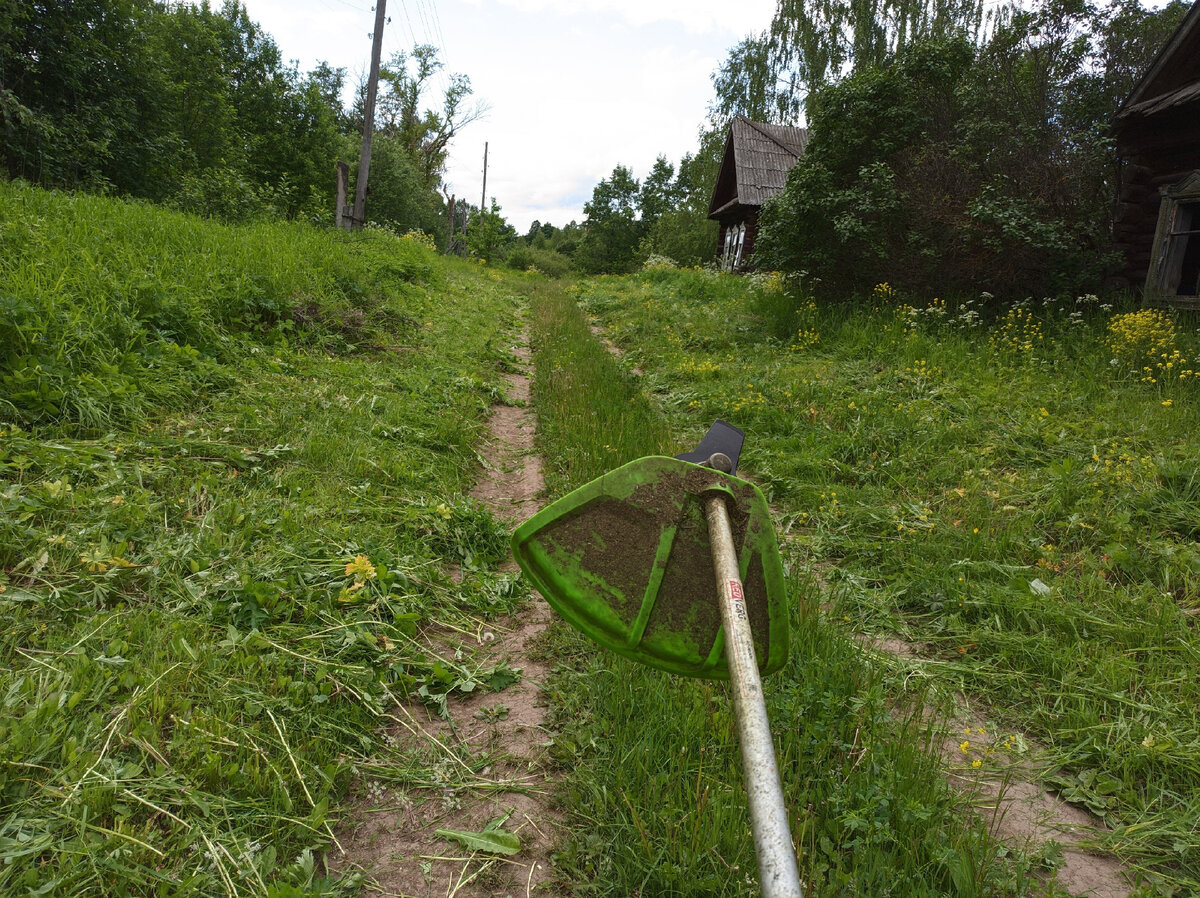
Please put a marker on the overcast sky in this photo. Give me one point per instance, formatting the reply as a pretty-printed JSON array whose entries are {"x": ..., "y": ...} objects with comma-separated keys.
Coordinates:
[{"x": 574, "y": 86}]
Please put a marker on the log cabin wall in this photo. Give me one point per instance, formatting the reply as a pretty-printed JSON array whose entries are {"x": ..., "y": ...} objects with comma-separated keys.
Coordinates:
[
  {"x": 1156, "y": 153},
  {"x": 1158, "y": 143}
]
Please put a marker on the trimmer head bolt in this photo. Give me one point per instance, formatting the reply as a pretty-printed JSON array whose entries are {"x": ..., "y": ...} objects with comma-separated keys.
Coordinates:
[{"x": 719, "y": 461}]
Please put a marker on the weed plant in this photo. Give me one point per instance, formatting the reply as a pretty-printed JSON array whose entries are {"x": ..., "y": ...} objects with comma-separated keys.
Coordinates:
[
  {"x": 225, "y": 529},
  {"x": 1012, "y": 489},
  {"x": 653, "y": 791},
  {"x": 101, "y": 323}
]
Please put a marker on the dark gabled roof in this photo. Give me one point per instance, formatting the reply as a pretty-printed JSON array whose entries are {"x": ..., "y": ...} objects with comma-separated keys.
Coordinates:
[
  {"x": 1170, "y": 80},
  {"x": 757, "y": 160}
]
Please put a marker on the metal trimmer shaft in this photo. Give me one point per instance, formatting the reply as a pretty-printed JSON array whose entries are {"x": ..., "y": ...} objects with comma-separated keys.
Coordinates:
[{"x": 778, "y": 875}]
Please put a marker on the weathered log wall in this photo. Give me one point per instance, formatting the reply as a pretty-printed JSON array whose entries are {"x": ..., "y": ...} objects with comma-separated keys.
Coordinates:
[{"x": 1156, "y": 152}]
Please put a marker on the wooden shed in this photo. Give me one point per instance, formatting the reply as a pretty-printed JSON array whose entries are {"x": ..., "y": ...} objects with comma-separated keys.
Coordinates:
[
  {"x": 1158, "y": 141},
  {"x": 754, "y": 168}
]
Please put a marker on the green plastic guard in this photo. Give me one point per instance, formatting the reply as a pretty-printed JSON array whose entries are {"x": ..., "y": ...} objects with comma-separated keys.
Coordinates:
[{"x": 626, "y": 560}]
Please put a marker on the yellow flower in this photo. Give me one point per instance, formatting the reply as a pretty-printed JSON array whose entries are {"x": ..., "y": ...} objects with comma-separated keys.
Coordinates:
[
  {"x": 977, "y": 763},
  {"x": 964, "y": 746},
  {"x": 1167, "y": 403},
  {"x": 443, "y": 510},
  {"x": 361, "y": 568}
]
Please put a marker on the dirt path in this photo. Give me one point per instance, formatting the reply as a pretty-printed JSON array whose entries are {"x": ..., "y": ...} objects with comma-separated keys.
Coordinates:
[
  {"x": 493, "y": 748},
  {"x": 1004, "y": 790}
]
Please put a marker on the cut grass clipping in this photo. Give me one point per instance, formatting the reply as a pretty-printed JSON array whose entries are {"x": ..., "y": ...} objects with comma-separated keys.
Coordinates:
[
  {"x": 232, "y": 473},
  {"x": 1012, "y": 490},
  {"x": 653, "y": 788}
]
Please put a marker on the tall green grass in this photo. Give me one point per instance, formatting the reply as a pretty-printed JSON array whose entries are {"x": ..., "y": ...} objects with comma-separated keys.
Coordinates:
[
  {"x": 215, "y": 585},
  {"x": 109, "y": 312},
  {"x": 1006, "y": 488},
  {"x": 653, "y": 791}
]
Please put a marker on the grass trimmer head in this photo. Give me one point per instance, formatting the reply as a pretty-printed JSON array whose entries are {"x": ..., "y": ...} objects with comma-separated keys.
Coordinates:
[
  {"x": 628, "y": 561},
  {"x": 675, "y": 565}
]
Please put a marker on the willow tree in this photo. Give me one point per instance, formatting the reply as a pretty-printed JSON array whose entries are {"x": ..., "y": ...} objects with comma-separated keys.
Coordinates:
[{"x": 812, "y": 42}]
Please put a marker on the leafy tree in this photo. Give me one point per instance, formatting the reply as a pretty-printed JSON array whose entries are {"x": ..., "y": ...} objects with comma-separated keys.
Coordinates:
[
  {"x": 77, "y": 91},
  {"x": 809, "y": 43},
  {"x": 488, "y": 233},
  {"x": 329, "y": 84},
  {"x": 612, "y": 229},
  {"x": 182, "y": 103},
  {"x": 955, "y": 167},
  {"x": 683, "y": 232},
  {"x": 657, "y": 194},
  {"x": 398, "y": 196},
  {"x": 424, "y": 134}
]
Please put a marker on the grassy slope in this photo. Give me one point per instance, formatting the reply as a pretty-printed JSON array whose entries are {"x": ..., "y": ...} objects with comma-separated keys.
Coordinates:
[
  {"x": 653, "y": 784},
  {"x": 201, "y": 427},
  {"x": 1005, "y": 495}
]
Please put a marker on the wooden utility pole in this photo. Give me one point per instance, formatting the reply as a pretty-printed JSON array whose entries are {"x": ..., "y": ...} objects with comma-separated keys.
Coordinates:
[
  {"x": 483, "y": 199},
  {"x": 450, "y": 203},
  {"x": 344, "y": 212},
  {"x": 364, "y": 159}
]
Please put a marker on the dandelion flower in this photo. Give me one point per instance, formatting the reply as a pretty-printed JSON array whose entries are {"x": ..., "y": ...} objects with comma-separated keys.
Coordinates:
[{"x": 361, "y": 568}]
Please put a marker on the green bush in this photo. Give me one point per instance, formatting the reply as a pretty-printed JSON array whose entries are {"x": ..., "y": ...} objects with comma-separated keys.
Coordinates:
[
  {"x": 949, "y": 169},
  {"x": 547, "y": 261}
]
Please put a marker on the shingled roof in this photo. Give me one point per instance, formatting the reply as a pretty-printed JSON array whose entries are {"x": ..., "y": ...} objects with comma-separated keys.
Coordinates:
[
  {"x": 1173, "y": 78},
  {"x": 757, "y": 160}
]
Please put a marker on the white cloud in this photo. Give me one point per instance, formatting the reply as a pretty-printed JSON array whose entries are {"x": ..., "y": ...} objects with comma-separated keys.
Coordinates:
[
  {"x": 575, "y": 86},
  {"x": 694, "y": 15}
]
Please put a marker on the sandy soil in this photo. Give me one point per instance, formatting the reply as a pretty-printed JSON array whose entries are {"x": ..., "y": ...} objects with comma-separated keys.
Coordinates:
[
  {"x": 392, "y": 837},
  {"x": 1004, "y": 790}
]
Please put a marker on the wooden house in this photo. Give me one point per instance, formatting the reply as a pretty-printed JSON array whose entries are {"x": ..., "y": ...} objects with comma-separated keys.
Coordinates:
[
  {"x": 1158, "y": 141},
  {"x": 754, "y": 168}
]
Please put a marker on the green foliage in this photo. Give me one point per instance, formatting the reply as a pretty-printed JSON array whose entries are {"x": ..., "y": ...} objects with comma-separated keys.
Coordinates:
[
  {"x": 192, "y": 106},
  {"x": 177, "y": 103},
  {"x": 850, "y": 212},
  {"x": 946, "y": 142},
  {"x": 657, "y": 194},
  {"x": 659, "y": 809},
  {"x": 424, "y": 135},
  {"x": 612, "y": 229},
  {"x": 547, "y": 261},
  {"x": 399, "y": 198},
  {"x": 102, "y": 325},
  {"x": 488, "y": 233},
  {"x": 685, "y": 235},
  {"x": 772, "y": 76},
  {"x": 947, "y": 162},
  {"x": 75, "y": 83},
  {"x": 1015, "y": 498},
  {"x": 212, "y": 600}
]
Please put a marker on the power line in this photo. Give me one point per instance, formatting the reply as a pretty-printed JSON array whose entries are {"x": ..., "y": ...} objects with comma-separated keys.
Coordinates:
[
  {"x": 437, "y": 24},
  {"x": 408, "y": 21}
]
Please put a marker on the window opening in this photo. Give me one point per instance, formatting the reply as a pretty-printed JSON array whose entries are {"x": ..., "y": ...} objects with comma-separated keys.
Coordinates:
[
  {"x": 1183, "y": 253},
  {"x": 1175, "y": 257}
]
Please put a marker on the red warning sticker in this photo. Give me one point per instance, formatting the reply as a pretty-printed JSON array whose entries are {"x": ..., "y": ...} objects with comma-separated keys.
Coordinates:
[{"x": 735, "y": 590}]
